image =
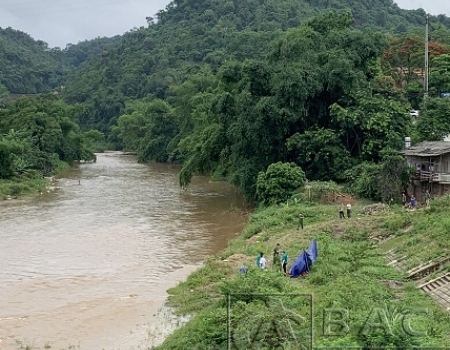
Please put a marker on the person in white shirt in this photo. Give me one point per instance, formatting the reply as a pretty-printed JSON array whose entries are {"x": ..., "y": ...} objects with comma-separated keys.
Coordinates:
[
  {"x": 262, "y": 262},
  {"x": 349, "y": 209}
]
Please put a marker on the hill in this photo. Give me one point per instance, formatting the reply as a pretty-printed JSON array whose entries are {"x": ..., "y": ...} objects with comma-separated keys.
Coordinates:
[
  {"x": 190, "y": 34},
  {"x": 29, "y": 66}
]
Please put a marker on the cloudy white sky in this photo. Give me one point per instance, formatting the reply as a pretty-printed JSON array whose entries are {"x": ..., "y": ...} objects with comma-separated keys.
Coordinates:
[{"x": 59, "y": 22}]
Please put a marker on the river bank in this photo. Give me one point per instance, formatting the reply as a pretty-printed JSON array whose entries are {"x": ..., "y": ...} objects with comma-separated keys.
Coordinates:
[
  {"x": 20, "y": 187},
  {"x": 29, "y": 184},
  {"x": 356, "y": 276}
]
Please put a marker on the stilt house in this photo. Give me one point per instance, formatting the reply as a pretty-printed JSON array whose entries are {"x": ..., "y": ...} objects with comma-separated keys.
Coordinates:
[{"x": 431, "y": 161}]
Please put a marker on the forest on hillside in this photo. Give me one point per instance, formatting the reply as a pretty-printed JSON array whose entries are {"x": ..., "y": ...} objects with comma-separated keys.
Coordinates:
[
  {"x": 229, "y": 88},
  {"x": 190, "y": 36},
  {"x": 326, "y": 97},
  {"x": 29, "y": 66}
]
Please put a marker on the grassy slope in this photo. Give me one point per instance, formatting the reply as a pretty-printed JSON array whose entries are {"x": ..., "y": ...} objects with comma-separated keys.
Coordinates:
[{"x": 351, "y": 273}]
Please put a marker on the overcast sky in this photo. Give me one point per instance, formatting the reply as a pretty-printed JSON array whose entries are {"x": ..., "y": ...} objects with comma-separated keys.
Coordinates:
[{"x": 59, "y": 22}]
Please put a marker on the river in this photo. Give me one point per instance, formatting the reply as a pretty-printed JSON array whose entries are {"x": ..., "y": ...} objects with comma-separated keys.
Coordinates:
[{"x": 87, "y": 265}]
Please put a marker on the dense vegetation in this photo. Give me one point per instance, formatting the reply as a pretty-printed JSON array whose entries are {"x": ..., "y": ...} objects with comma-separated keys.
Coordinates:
[
  {"x": 29, "y": 66},
  {"x": 193, "y": 87},
  {"x": 229, "y": 88},
  {"x": 327, "y": 97},
  {"x": 350, "y": 279},
  {"x": 39, "y": 133},
  {"x": 38, "y": 137},
  {"x": 191, "y": 37},
  {"x": 26, "y": 66}
]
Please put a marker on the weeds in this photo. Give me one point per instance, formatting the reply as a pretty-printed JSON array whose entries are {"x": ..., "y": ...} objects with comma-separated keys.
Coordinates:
[
  {"x": 18, "y": 187},
  {"x": 350, "y": 273}
]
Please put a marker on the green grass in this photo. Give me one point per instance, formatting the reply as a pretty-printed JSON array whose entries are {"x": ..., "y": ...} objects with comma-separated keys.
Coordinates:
[
  {"x": 29, "y": 183},
  {"x": 19, "y": 187},
  {"x": 351, "y": 273},
  {"x": 422, "y": 235}
]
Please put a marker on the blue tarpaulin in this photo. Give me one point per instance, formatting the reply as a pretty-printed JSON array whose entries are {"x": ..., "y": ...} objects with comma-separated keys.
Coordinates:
[
  {"x": 312, "y": 251},
  {"x": 303, "y": 263}
]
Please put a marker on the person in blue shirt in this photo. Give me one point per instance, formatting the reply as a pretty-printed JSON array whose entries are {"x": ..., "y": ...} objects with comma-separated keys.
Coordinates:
[
  {"x": 284, "y": 261},
  {"x": 258, "y": 259},
  {"x": 413, "y": 202}
]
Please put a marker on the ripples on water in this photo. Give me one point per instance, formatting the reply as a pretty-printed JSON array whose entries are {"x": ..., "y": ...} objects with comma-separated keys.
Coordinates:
[{"x": 120, "y": 232}]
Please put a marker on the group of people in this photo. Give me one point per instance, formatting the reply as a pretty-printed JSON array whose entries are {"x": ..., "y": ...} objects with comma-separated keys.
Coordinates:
[
  {"x": 413, "y": 202},
  {"x": 341, "y": 210},
  {"x": 280, "y": 260}
]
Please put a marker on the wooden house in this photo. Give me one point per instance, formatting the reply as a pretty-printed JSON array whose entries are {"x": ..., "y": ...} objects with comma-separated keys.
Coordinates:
[{"x": 431, "y": 161}]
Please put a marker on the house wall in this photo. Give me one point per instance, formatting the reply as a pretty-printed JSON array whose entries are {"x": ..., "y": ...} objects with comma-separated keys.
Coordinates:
[
  {"x": 445, "y": 164},
  {"x": 418, "y": 189},
  {"x": 441, "y": 165}
]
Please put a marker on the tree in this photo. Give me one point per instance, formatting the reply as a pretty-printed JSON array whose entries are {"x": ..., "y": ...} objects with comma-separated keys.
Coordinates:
[
  {"x": 434, "y": 121},
  {"x": 39, "y": 134},
  {"x": 394, "y": 177},
  {"x": 278, "y": 182},
  {"x": 405, "y": 56},
  {"x": 321, "y": 153},
  {"x": 6, "y": 160},
  {"x": 3, "y": 94},
  {"x": 440, "y": 74},
  {"x": 373, "y": 123}
]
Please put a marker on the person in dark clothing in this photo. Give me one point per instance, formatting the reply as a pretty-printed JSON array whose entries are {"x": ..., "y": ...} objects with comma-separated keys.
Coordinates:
[
  {"x": 427, "y": 198},
  {"x": 300, "y": 222},
  {"x": 341, "y": 211},
  {"x": 276, "y": 257}
]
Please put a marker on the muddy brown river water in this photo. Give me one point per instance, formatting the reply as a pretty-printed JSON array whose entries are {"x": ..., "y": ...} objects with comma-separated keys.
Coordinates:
[{"x": 87, "y": 266}]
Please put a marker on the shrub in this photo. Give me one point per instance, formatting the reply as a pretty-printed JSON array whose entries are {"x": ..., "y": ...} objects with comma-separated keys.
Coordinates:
[
  {"x": 277, "y": 184},
  {"x": 362, "y": 180},
  {"x": 319, "y": 191}
]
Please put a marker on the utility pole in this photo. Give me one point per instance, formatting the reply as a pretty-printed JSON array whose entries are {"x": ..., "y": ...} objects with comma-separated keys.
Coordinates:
[{"x": 426, "y": 60}]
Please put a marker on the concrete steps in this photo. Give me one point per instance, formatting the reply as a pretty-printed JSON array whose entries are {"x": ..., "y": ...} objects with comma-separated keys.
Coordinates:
[
  {"x": 439, "y": 290},
  {"x": 396, "y": 261},
  {"x": 428, "y": 268}
]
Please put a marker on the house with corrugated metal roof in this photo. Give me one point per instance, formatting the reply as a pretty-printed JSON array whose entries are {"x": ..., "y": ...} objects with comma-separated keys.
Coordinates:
[{"x": 431, "y": 161}]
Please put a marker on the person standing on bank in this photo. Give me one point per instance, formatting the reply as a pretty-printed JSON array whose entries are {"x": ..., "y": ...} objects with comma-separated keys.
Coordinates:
[
  {"x": 427, "y": 198},
  {"x": 300, "y": 222},
  {"x": 341, "y": 211},
  {"x": 258, "y": 259},
  {"x": 349, "y": 210},
  {"x": 403, "y": 199},
  {"x": 262, "y": 262},
  {"x": 284, "y": 261},
  {"x": 276, "y": 256},
  {"x": 413, "y": 202}
]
